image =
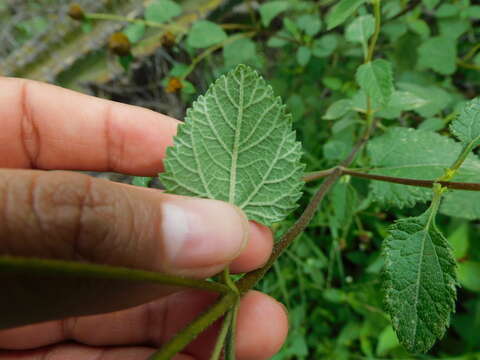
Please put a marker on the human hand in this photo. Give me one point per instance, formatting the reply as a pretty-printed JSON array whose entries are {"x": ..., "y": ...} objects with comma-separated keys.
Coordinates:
[{"x": 71, "y": 216}]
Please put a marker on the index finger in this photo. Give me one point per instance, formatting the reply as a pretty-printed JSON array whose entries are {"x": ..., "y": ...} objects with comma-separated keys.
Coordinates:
[{"x": 48, "y": 127}]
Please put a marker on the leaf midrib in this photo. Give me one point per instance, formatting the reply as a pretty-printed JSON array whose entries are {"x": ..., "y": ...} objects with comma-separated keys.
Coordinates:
[{"x": 236, "y": 143}]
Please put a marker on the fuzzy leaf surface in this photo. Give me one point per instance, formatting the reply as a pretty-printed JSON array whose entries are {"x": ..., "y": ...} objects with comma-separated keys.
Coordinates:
[
  {"x": 416, "y": 154},
  {"x": 376, "y": 79},
  {"x": 237, "y": 145},
  {"x": 467, "y": 126},
  {"x": 420, "y": 281}
]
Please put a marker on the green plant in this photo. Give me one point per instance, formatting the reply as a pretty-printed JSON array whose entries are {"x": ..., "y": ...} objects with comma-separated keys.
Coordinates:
[{"x": 391, "y": 81}]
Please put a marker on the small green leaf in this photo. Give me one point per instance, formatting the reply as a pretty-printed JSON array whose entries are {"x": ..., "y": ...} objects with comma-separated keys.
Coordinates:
[
  {"x": 341, "y": 11},
  {"x": 459, "y": 240},
  {"x": 270, "y": 10},
  {"x": 303, "y": 55},
  {"x": 141, "y": 181},
  {"x": 420, "y": 281},
  {"x": 237, "y": 145},
  {"x": 466, "y": 127},
  {"x": 238, "y": 52},
  {"x": 360, "y": 29},
  {"x": 324, "y": 46},
  {"x": 338, "y": 109},
  {"x": 310, "y": 24},
  {"x": 134, "y": 32},
  {"x": 439, "y": 54},
  {"x": 161, "y": 11},
  {"x": 376, "y": 79},
  {"x": 205, "y": 33},
  {"x": 469, "y": 275}
]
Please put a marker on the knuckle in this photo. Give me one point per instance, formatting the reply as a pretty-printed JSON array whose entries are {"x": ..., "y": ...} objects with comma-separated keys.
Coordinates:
[{"x": 58, "y": 214}]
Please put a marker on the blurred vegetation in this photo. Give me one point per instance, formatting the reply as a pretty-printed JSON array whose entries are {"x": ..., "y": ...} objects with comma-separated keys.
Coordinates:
[{"x": 330, "y": 278}]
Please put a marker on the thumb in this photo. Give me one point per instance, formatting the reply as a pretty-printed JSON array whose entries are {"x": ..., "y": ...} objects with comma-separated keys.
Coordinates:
[{"x": 71, "y": 216}]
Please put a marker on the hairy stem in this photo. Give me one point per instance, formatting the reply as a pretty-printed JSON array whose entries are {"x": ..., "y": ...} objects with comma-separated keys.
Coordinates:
[
  {"x": 404, "y": 181},
  {"x": 184, "y": 337}
]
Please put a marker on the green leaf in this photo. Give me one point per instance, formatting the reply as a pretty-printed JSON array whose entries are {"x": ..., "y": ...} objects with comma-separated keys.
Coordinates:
[
  {"x": 303, "y": 55},
  {"x": 205, "y": 33},
  {"x": 338, "y": 109},
  {"x": 376, "y": 79},
  {"x": 161, "y": 11},
  {"x": 459, "y": 240},
  {"x": 469, "y": 275},
  {"x": 430, "y": 100},
  {"x": 419, "y": 281},
  {"x": 141, "y": 181},
  {"x": 430, "y": 4},
  {"x": 387, "y": 341},
  {"x": 38, "y": 290},
  {"x": 310, "y": 24},
  {"x": 432, "y": 124},
  {"x": 239, "y": 51},
  {"x": 415, "y": 154},
  {"x": 361, "y": 29},
  {"x": 134, "y": 32},
  {"x": 271, "y": 9},
  {"x": 466, "y": 127},
  {"x": 324, "y": 46},
  {"x": 237, "y": 145},
  {"x": 439, "y": 54},
  {"x": 341, "y": 11}
]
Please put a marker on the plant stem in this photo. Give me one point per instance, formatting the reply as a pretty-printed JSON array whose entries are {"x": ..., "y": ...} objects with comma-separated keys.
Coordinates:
[
  {"x": 217, "y": 350},
  {"x": 404, "y": 181},
  {"x": 112, "y": 17},
  {"x": 192, "y": 330},
  {"x": 378, "y": 23},
  {"x": 14, "y": 264}
]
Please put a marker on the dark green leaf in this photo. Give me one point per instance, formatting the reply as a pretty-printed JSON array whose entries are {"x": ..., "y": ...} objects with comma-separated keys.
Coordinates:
[{"x": 419, "y": 282}]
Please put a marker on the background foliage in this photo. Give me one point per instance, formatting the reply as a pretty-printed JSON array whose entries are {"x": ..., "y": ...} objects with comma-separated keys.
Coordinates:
[{"x": 427, "y": 65}]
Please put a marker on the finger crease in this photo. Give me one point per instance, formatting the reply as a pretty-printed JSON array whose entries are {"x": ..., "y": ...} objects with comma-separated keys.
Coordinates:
[
  {"x": 29, "y": 135},
  {"x": 76, "y": 249}
]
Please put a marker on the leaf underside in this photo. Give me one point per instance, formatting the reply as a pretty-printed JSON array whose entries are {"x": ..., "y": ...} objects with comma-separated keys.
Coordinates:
[
  {"x": 419, "y": 282},
  {"x": 237, "y": 145}
]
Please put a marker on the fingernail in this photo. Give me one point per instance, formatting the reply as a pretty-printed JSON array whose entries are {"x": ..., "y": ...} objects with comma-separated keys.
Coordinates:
[{"x": 198, "y": 233}]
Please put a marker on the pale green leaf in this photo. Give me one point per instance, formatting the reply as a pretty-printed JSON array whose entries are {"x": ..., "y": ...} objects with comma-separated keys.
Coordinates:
[
  {"x": 161, "y": 11},
  {"x": 270, "y": 10},
  {"x": 303, "y": 55},
  {"x": 420, "y": 281},
  {"x": 134, "y": 32},
  {"x": 429, "y": 100},
  {"x": 324, "y": 46},
  {"x": 432, "y": 124},
  {"x": 310, "y": 24},
  {"x": 204, "y": 34},
  {"x": 415, "y": 154},
  {"x": 459, "y": 240},
  {"x": 237, "y": 145},
  {"x": 341, "y": 11},
  {"x": 430, "y": 4},
  {"x": 469, "y": 275},
  {"x": 361, "y": 29},
  {"x": 387, "y": 341},
  {"x": 338, "y": 109},
  {"x": 239, "y": 51},
  {"x": 376, "y": 79},
  {"x": 439, "y": 54},
  {"x": 466, "y": 127}
]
